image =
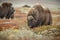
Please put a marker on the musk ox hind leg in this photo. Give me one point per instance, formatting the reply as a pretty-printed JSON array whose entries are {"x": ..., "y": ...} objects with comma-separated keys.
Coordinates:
[{"x": 50, "y": 20}]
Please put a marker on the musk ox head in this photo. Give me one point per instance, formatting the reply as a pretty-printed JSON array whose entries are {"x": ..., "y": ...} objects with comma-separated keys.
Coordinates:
[
  {"x": 32, "y": 18},
  {"x": 5, "y": 4},
  {"x": 34, "y": 15},
  {"x": 31, "y": 21}
]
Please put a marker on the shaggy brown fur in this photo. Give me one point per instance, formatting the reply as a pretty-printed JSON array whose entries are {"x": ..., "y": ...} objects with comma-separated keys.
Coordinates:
[
  {"x": 6, "y": 10},
  {"x": 39, "y": 16},
  {"x": 48, "y": 16}
]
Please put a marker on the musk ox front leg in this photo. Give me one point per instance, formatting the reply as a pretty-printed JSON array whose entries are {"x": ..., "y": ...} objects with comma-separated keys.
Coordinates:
[{"x": 12, "y": 13}]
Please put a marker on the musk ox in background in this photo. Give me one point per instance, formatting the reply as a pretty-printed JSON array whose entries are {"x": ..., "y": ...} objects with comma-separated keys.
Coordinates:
[
  {"x": 6, "y": 10},
  {"x": 39, "y": 16}
]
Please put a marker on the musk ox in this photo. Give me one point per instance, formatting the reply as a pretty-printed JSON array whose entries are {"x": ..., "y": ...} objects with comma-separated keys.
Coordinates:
[
  {"x": 6, "y": 10},
  {"x": 38, "y": 16}
]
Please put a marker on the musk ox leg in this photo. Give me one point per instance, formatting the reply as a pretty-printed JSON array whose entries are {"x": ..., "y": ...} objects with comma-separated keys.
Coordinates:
[
  {"x": 38, "y": 23},
  {"x": 12, "y": 17},
  {"x": 7, "y": 17},
  {"x": 50, "y": 20},
  {"x": 49, "y": 23},
  {"x": 1, "y": 17}
]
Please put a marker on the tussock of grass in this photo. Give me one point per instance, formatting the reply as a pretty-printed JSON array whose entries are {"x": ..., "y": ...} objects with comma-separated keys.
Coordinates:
[
  {"x": 38, "y": 33},
  {"x": 22, "y": 34}
]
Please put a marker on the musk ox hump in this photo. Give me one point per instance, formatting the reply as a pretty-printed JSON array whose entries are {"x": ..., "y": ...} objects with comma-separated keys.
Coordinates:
[
  {"x": 6, "y": 4},
  {"x": 39, "y": 8}
]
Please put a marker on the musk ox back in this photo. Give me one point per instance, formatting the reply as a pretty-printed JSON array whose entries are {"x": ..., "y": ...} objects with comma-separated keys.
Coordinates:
[
  {"x": 6, "y": 10},
  {"x": 38, "y": 16}
]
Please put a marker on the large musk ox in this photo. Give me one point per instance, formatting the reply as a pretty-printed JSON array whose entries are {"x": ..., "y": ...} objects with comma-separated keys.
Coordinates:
[
  {"x": 38, "y": 16},
  {"x": 6, "y": 10}
]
